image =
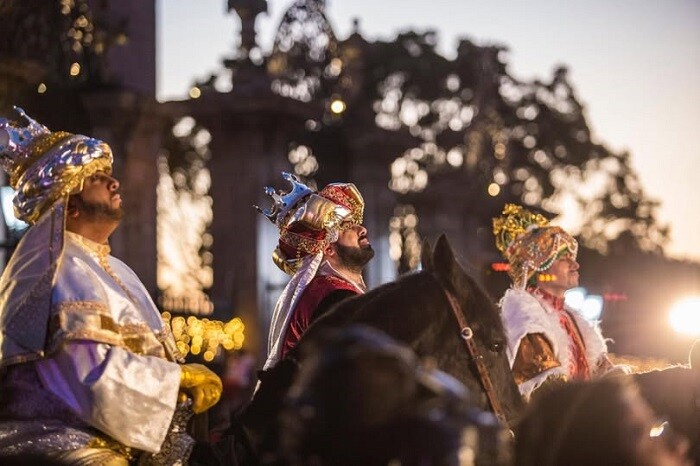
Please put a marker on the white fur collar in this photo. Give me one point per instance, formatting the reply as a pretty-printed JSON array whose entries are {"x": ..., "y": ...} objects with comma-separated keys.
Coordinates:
[{"x": 523, "y": 313}]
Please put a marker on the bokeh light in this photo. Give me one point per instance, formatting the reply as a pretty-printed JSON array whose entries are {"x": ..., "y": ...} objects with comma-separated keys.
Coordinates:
[
  {"x": 589, "y": 306},
  {"x": 205, "y": 337},
  {"x": 684, "y": 316},
  {"x": 592, "y": 307},
  {"x": 337, "y": 106},
  {"x": 575, "y": 297},
  {"x": 195, "y": 92}
]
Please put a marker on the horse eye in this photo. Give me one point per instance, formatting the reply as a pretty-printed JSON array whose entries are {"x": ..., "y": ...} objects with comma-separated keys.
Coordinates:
[{"x": 496, "y": 347}]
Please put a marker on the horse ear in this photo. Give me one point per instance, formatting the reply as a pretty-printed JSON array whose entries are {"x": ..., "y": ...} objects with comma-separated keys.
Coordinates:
[
  {"x": 443, "y": 259},
  {"x": 695, "y": 356},
  {"x": 426, "y": 256}
]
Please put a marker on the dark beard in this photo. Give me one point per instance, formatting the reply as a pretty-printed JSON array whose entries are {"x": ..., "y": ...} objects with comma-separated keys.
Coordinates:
[
  {"x": 98, "y": 210},
  {"x": 354, "y": 257}
]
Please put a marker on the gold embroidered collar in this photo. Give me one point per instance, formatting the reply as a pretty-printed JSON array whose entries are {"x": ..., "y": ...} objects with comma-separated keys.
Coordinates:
[{"x": 101, "y": 250}]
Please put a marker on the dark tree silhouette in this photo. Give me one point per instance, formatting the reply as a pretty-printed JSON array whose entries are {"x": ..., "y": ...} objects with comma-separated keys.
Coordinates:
[
  {"x": 524, "y": 142},
  {"x": 469, "y": 125},
  {"x": 53, "y": 47}
]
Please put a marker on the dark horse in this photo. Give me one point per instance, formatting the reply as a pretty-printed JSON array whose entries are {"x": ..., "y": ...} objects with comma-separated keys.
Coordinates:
[
  {"x": 415, "y": 311},
  {"x": 675, "y": 393}
]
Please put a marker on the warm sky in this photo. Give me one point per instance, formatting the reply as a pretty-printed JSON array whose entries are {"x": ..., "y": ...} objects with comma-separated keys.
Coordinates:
[{"x": 634, "y": 63}]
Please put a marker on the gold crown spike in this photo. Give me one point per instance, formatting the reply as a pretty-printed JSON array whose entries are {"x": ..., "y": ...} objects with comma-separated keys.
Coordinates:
[
  {"x": 514, "y": 221},
  {"x": 284, "y": 202}
]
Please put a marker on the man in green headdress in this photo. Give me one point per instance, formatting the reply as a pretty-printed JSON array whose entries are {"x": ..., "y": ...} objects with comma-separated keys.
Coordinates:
[{"x": 547, "y": 340}]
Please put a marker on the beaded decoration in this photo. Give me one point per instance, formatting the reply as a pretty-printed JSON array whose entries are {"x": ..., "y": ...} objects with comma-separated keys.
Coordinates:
[{"x": 529, "y": 243}]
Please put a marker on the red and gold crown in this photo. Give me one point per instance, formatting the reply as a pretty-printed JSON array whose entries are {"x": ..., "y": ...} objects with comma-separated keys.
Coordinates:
[
  {"x": 529, "y": 243},
  {"x": 45, "y": 166},
  {"x": 309, "y": 221}
]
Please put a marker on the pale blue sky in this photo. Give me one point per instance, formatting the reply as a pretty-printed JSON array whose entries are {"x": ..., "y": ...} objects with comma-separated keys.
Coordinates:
[{"x": 634, "y": 63}]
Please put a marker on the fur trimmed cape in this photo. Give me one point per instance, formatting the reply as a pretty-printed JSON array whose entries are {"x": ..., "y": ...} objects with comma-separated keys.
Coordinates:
[{"x": 523, "y": 313}]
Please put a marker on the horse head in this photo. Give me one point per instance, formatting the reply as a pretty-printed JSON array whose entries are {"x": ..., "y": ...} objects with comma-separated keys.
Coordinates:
[
  {"x": 674, "y": 392},
  {"x": 416, "y": 311},
  {"x": 480, "y": 312},
  {"x": 361, "y": 397},
  {"x": 481, "y": 316}
]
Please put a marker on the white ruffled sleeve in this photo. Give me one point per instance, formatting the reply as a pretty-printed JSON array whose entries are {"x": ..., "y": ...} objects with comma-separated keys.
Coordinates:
[{"x": 128, "y": 396}]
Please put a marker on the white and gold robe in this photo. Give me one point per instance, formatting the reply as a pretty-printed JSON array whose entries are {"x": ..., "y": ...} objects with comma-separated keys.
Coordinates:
[{"x": 83, "y": 322}]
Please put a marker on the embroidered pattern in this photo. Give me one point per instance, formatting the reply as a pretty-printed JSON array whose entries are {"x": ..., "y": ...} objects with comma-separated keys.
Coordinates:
[
  {"x": 529, "y": 243},
  {"x": 90, "y": 320}
]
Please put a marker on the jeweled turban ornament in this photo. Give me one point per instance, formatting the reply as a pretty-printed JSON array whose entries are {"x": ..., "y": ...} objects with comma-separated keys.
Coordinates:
[
  {"x": 529, "y": 243},
  {"x": 45, "y": 166},
  {"x": 309, "y": 221}
]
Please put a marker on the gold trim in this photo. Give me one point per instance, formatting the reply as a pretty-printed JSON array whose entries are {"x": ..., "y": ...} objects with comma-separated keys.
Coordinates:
[
  {"x": 514, "y": 222},
  {"x": 72, "y": 181},
  {"x": 306, "y": 244},
  {"x": 21, "y": 358},
  {"x": 166, "y": 338},
  {"x": 123, "y": 452},
  {"x": 337, "y": 194},
  {"x": 94, "y": 323},
  {"x": 38, "y": 148},
  {"x": 97, "y": 248}
]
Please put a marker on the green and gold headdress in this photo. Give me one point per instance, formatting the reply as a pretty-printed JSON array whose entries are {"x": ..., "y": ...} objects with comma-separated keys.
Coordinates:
[{"x": 529, "y": 243}]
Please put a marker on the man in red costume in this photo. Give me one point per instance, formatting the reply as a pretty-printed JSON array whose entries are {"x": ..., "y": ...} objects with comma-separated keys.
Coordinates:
[
  {"x": 547, "y": 340},
  {"x": 324, "y": 246}
]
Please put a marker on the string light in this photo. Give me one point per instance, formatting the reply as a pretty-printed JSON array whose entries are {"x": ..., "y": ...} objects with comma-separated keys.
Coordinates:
[{"x": 204, "y": 336}]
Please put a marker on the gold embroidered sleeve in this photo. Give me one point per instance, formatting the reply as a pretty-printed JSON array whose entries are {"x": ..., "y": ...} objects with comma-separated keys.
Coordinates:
[
  {"x": 535, "y": 355},
  {"x": 92, "y": 321}
]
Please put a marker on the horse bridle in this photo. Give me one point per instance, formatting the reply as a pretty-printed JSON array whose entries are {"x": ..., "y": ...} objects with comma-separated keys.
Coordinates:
[{"x": 467, "y": 335}]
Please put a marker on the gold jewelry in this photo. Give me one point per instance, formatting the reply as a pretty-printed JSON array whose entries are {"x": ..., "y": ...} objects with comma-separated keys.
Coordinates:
[{"x": 529, "y": 243}]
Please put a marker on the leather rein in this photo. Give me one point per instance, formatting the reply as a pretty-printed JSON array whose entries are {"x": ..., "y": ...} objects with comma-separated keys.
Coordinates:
[{"x": 467, "y": 335}]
